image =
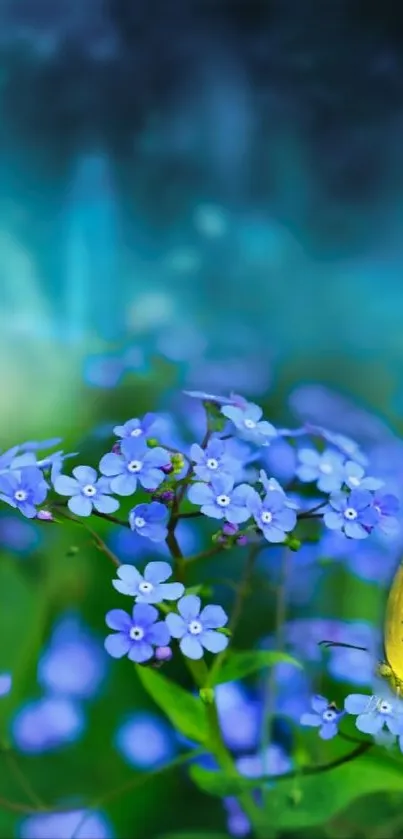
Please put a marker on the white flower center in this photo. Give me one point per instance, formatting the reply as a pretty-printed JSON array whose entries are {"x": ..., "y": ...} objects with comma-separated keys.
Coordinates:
[
  {"x": 326, "y": 468},
  {"x": 145, "y": 587},
  {"x": 355, "y": 482},
  {"x": 212, "y": 463},
  {"x": 267, "y": 517},
  {"x": 249, "y": 423},
  {"x": 329, "y": 715},
  {"x": 136, "y": 633},
  {"x": 20, "y": 495},
  {"x": 384, "y": 707},
  {"x": 223, "y": 500},
  {"x": 136, "y": 432},
  {"x": 195, "y": 628},
  {"x": 139, "y": 521},
  {"x": 89, "y": 490},
  {"x": 134, "y": 465},
  {"x": 350, "y": 513}
]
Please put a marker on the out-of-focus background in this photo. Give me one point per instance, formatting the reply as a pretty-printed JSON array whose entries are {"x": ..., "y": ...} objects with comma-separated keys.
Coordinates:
[{"x": 193, "y": 194}]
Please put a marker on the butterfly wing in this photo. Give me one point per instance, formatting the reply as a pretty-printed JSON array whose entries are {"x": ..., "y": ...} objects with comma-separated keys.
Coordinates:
[{"x": 393, "y": 630}]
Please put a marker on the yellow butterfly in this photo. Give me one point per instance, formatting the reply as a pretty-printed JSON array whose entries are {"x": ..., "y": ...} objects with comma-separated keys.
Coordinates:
[{"x": 392, "y": 668}]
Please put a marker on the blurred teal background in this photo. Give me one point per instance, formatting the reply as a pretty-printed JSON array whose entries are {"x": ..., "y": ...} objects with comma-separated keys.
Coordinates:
[{"x": 192, "y": 195}]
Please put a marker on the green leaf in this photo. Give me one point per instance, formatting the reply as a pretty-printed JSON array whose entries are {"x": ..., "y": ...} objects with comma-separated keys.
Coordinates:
[
  {"x": 22, "y": 625},
  {"x": 309, "y": 800},
  {"x": 185, "y": 711},
  {"x": 237, "y": 665}
]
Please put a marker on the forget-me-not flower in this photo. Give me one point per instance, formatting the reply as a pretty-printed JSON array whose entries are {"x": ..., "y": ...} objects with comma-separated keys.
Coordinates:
[
  {"x": 354, "y": 513},
  {"x": 355, "y": 477},
  {"x": 326, "y": 717},
  {"x": 24, "y": 489},
  {"x": 272, "y": 515},
  {"x": 374, "y": 713},
  {"x": 387, "y": 506},
  {"x": 273, "y": 485},
  {"x": 135, "y": 464},
  {"x": 213, "y": 460},
  {"x": 196, "y": 629},
  {"x": 5, "y": 684},
  {"x": 136, "y": 635},
  {"x": 137, "y": 427},
  {"x": 220, "y": 500},
  {"x": 86, "y": 491},
  {"x": 150, "y": 520},
  {"x": 325, "y": 468},
  {"x": 149, "y": 587},
  {"x": 248, "y": 421}
]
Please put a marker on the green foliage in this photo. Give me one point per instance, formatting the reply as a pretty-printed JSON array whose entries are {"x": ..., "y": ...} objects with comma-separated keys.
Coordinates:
[
  {"x": 185, "y": 711},
  {"x": 238, "y": 665}
]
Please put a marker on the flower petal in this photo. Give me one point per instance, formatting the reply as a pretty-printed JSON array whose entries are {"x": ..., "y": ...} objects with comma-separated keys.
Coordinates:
[
  {"x": 159, "y": 634},
  {"x": 191, "y": 647},
  {"x": 214, "y": 642},
  {"x": 66, "y": 486},
  {"x": 105, "y": 504},
  {"x": 157, "y": 572},
  {"x": 213, "y": 617},
  {"x": 189, "y": 607},
  {"x": 357, "y": 703},
  {"x": 171, "y": 591},
  {"x": 319, "y": 703},
  {"x": 80, "y": 505},
  {"x": 124, "y": 484},
  {"x": 313, "y": 720},
  {"x": 117, "y": 645},
  {"x": 328, "y": 730},
  {"x": 144, "y": 614},
  {"x": 85, "y": 474},
  {"x": 176, "y": 625},
  {"x": 140, "y": 651},
  {"x": 118, "y": 619},
  {"x": 370, "y": 723},
  {"x": 111, "y": 464}
]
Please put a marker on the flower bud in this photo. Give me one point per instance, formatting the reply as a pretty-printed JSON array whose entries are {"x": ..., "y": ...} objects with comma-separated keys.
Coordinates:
[
  {"x": 152, "y": 443},
  {"x": 178, "y": 462},
  {"x": 163, "y": 654},
  {"x": 44, "y": 515},
  {"x": 242, "y": 540},
  {"x": 207, "y": 695},
  {"x": 230, "y": 529},
  {"x": 167, "y": 496},
  {"x": 168, "y": 469},
  {"x": 116, "y": 448}
]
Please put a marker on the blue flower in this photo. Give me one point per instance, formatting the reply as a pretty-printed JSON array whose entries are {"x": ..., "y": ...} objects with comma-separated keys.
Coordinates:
[
  {"x": 238, "y": 823},
  {"x": 326, "y": 717},
  {"x": 46, "y": 724},
  {"x": 7, "y": 458},
  {"x": 354, "y": 477},
  {"x": 24, "y": 489},
  {"x": 348, "y": 447},
  {"x": 137, "y": 635},
  {"x": 74, "y": 662},
  {"x": 213, "y": 460},
  {"x": 136, "y": 464},
  {"x": 5, "y": 684},
  {"x": 35, "y": 446},
  {"x": 270, "y": 484},
  {"x": 145, "y": 741},
  {"x": 387, "y": 506},
  {"x": 82, "y": 824},
  {"x": 374, "y": 713},
  {"x": 137, "y": 427},
  {"x": 86, "y": 492},
  {"x": 150, "y": 520},
  {"x": 325, "y": 468},
  {"x": 272, "y": 515},
  {"x": 196, "y": 629},
  {"x": 149, "y": 587},
  {"x": 354, "y": 514},
  {"x": 220, "y": 500},
  {"x": 247, "y": 420},
  {"x": 233, "y": 399}
]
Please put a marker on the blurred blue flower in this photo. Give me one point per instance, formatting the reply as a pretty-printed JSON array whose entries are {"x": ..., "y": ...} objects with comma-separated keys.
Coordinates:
[
  {"x": 74, "y": 662},
  {"x": 196, "y": 629},
  {"x": 145, "y": 741},
  {"x": 213, "y": 460},
  {"x": 82, "y": 824},
  {"x": 274, "y": 761},
  {"x": 86, "y": 491},
  {"x": 130, "y": 545},
  {"x": 272, "y": 515},
  {"x": 376, "y": 712},
  {"x": 220, "y": 500},
  {"x": 136, "y": 464},
  {"x": 387, "y": 507},
  {"x": 19, "y": 536},
  {"x": 345, "y": 445},
  {"x": 238, "y": 823},
  {"x": 233, "y": 399},
  {"x": 354, "y": 477},
  {"x": 137, "y": 635},
  {"x": 326, "y": 717},
  {"x": 145, "y": 427},
  {"x": 248, "y": 422},
  {"x": 5, "y": 683},
  {"x": 105, "y": 371},
  {"x": 239, "y": 715},
  {"x": 149, "y": 587},
  {"x": 24, "y": 489},
  {"x": 150, "y": 520},
  {"x": 354, "y": 514},
  {"x": 47, "y": 724},
  {"x": 35, "y": 446},
  {"x": 7, "y": 457},
  {"x": 326, "y": 468}
]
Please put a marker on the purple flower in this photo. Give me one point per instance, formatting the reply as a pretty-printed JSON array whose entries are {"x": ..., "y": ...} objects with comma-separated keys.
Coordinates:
[
  {"x": 354, "y": 477},
  {"x": 247, "y": 420},
  {"x": 196, "y": 629},
  {"x": 24, "y": 489},
  {"x": 353, "y": 513},
  {"x": 136, "y": 463},
  {"x": 5, "y": 684},
  {"x": 326, "y": 468},
  {"x": 149, "y": 587},
  {"x": 212, "y": 461},
  {"x": 387, "y": 506},
  {"x": 137, "y": 635},
  {"x": 220, "y": 500},
  {"x": 137, "y": 427},
  {"x": 150, "y": 520},
  {"x": 374, "y": 713},
  {"x": 86, "y": 491},
  {"x": 326, "y": 717},
  {"x": 272, "y": 515},
  {"x": 271, "y": 484}
]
